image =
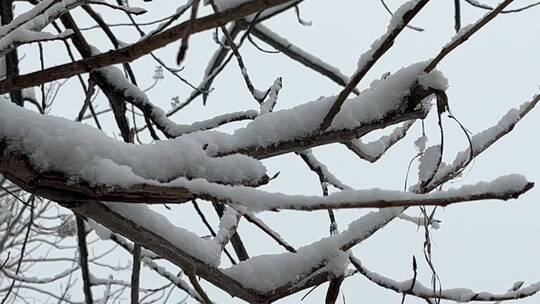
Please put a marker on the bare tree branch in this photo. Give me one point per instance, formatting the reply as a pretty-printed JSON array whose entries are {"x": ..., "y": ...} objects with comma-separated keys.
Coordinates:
[{"x": 83, "y": 260}]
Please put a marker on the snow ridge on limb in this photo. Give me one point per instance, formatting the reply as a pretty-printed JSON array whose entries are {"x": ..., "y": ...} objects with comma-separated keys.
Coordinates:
[
  {"x": 460, "y": 295},
  {"x": 382, "y": 215},
  {"x": 328, "y": 255},
  {"x": 386, "y": 102},
  {"x": 54, "y": 144},
  {"x": 286, "y": 269},
  {"x": 504, "y": 187},
  {"x": 82, "y": 153},
  {"x": 483, "y": 140},
  {"x": 200, "y": 257},
  {"x": 205, "y": 250},
  {"x": 374, "y": 150},
  {"x": 121, "y": 85},
  {"x": 322, "y": 171},
  {"x": 128, "y": 223},
  {"x": 397, "y": 23},
  {"x": 26, "y": 27}
]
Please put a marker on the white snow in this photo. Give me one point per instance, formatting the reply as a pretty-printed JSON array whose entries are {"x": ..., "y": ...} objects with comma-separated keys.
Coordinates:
[
  {"x": 255, "y": 199},
  {"x": 428, "y": 162},
  {"x": 202, "y": 249},
  {"x": 374, "y": 103},
  {"x": 140, "y": 99},
  {"x": 330, "y": 178},
  {"x": 434, "y": 80},
  {"x": 101, "y": 231},
  {"x": 460, "y": 295},
  {"x": 268, "y": 105},
  {"x": 265, "y": 273},
  {"x": 227, "y": 226},
  {"x": 82, "y": 152},
  {"x": 5, "y": 213},
  {"x": 213, "y": 122},
  {"x": 372, "y": 151},
  {"x": 420, "y": 143},
  {"x": 486, "y": 138},
  {"x": 420, "y": 220},
  {"x": 396, "y": 21},
  {"x": 26, "y": 26}
]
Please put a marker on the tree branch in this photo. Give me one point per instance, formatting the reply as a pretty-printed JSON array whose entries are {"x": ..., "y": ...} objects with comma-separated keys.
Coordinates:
[
  {"x": 399, "y": 20},
  {"x": 138, "y": 49},
  {"x": 83, "y": 260},
  {"x": 136, "y": 274}
]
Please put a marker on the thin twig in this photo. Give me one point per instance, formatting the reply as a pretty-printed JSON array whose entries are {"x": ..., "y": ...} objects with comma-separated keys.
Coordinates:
[
  {"x": 371, "y": 57},
  {"x": 83, "y": 260},
  {"x": 136, "y": 273}
]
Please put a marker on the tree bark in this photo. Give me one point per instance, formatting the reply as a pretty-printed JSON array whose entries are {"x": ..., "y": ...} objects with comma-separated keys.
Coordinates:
[{"x": 12, "y": 58}]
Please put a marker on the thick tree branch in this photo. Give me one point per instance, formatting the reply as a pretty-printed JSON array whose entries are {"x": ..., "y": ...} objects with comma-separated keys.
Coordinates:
[
  {"x": 138, "y": 49},
  {"x": 12, "y": 57},
  {"x": 163, "y": 247}
]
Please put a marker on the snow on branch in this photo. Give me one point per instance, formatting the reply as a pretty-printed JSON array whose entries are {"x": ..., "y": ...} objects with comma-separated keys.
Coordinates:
[
  {"x": 83, "y": 153},
  {"x": 205, "y": 250},
  {"x": 385, "y": 102},
  {"x": 25, "y": 28},
  {"x": 112, "y": 183},
  {"x": 397, "y": 23},
  {"x": 420, "y": 221},
  {"x": 465, "y": 33},
  {"x": 482, "y": 141},
  {"x": 227, "y": 227},
  {"x": 374, "y": 150},
  {"x": 373, "y": 222},
  {"x": 503, "y": 188},
  {"x": 459, "y": 295},
  {"x": 322, "y": 259},
  {"x": 289, "y": 269},
  {"x": 125, "y": 8},
  {"x": 113, "y": 78},
  {"x": 177, "y": 245},
  {"x": 21, "y": 36},
  {"x": 214, "y": 122},
  {"x": 322, "y": 171}
]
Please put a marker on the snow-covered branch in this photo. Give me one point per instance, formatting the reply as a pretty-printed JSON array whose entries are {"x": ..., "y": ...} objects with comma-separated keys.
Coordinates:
[
  {"x": 27, "y": 26},
  {"x": 483, "y": 140},
  {"x": 459, "y": 295},
  {"x": 130, "y": 192},
  {"x": 399, "y": 20},
  {"x": 505, "y": 187},
  {"x": 374, "y": 150}
]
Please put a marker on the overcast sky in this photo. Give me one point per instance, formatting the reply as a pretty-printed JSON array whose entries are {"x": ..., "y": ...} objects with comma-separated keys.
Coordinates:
[{"x": 482, "y": 246}]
